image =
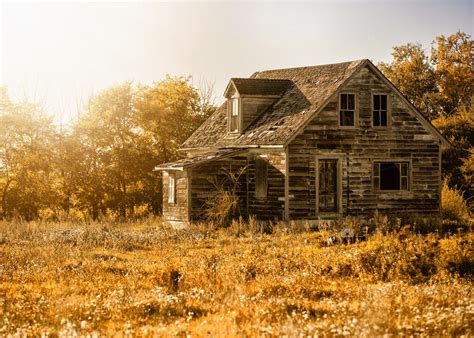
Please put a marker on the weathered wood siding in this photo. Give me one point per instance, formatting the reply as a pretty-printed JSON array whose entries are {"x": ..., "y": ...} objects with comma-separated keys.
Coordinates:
[
  {"x": 176, "y": 212},
  {"x": 273, "y": 206},
  {"x": 404, "y": 139},
  {"x": 203, "y": 184},
  {"x": 204, "y": 177}
]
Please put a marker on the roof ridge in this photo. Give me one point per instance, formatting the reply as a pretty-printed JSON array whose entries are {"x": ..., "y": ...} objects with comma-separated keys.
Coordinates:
[
  {"x": 303, "y": 67},
  {"x": 250, "y": 78}
]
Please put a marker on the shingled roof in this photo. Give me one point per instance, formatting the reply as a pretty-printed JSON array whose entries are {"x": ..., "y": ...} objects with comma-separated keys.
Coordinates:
[
  {"x": 265, "y": 87},
  {"x": 311, "y": 88}
]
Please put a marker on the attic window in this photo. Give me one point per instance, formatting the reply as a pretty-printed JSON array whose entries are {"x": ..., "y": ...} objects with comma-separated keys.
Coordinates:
[
  {"x": 380, "y": 111},
  {"x": 234, "y": 115},
  {"x": 347, "y": 110},
  {"x": 391, "y": 176}
]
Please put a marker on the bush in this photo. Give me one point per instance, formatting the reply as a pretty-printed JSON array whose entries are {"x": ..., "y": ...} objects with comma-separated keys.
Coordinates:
[
  {"x": 394, "y": 257},
  {"x": 223, "y": 206},
  {"x": 453, "y": 205}
]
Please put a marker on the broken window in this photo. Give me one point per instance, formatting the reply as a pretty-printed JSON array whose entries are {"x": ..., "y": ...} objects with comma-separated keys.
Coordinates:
[
  {"x": 347, "y": 110},
  {"x": 391, "y": 176},
  {"x": 380, "y": 111}
]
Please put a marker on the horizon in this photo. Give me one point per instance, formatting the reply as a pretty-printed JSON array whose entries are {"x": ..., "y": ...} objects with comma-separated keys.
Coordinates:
[{"x": 85, "y": 47}]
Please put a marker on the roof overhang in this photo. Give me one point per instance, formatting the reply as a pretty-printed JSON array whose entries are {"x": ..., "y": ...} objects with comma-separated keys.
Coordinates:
[{"x": 197, "y": 160}]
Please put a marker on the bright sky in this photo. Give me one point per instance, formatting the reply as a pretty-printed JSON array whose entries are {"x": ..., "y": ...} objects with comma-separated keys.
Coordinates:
[{"x": 59, "y": 53}]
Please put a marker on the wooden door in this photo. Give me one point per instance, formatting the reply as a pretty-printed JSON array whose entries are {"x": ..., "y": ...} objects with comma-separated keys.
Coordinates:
[{"x": 327, "y": 185}]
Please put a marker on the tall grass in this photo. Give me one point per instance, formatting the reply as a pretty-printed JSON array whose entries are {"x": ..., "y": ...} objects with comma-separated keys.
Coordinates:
[{"x": 144, "y": 278}]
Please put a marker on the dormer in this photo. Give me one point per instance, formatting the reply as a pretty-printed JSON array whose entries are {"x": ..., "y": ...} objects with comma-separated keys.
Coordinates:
[{"x": 248, "y": 98}]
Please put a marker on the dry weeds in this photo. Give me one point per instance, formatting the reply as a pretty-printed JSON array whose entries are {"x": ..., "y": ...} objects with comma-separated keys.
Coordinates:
[{"x": 146, "y": 279}]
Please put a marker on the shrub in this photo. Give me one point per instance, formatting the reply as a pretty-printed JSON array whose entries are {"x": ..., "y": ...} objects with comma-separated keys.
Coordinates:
[
  {"x": 453, "y": 205},
  {"x": 223, "y": 206},
  {"x": 458, "y": 255},
  {"x": 394, "y": 257}
]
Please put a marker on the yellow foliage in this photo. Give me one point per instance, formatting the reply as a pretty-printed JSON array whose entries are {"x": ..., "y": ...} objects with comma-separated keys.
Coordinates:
[
  {"x": 146, "y": 279},
  {"x": 453, "y": 204}
]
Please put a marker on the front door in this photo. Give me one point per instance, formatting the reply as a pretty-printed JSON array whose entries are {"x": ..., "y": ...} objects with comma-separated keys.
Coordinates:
[{"x": 327, "y": 181}]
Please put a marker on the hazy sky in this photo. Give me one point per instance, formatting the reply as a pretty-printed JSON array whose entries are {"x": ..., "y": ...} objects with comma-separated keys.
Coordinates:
[{"x": 58, "y": 53}]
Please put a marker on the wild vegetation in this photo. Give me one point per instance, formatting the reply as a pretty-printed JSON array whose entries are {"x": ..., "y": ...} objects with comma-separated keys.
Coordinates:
[
  {"x": 82, "y": 252},
  {"x": 144, "y": 278}
]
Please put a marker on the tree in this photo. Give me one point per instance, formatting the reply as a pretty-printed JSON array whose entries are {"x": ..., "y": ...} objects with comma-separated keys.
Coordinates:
[
  {"x": 439, "y": 86},
  {"x": 113, "y": 163},
  {"x": 459, "y": 130},
  {"x": 411, "y": 72},
  {"x": 452, "y": 59},
  {"x": 169, "y": 111},
  {"x": 27, "y": 157}
]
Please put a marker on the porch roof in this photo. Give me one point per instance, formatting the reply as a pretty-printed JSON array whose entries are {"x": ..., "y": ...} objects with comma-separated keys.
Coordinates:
[{"x": 196, "y": 160}]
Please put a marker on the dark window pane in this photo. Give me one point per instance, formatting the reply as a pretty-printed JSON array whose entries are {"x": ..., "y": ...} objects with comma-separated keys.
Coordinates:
[
  {"x": 383, "y": 118},
  {"x": 389, "y": 176},
  {"x": 376, "y": 102},
  {"x": 351, "y": 101},
  {"x": 347, "y": 118},
  {"x": 376, "y": 118},
  {"x": 383, "y": 102},
  {"x": 343, "y": 101}
]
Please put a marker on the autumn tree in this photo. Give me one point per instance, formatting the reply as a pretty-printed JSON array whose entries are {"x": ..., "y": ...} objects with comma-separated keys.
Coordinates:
[
  {"x": 108, "y": 158},
  {"x": 27, "y": 160},
  {"x": 411, "y": 72},
  {"x": 440, "y": 85},
  {"x": 169, "y": 111},
  {"x": 452, "y": 60}
]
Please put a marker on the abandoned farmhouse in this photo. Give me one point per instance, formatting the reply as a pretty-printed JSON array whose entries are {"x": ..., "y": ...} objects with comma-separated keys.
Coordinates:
[{"x": 316, "y": 142}]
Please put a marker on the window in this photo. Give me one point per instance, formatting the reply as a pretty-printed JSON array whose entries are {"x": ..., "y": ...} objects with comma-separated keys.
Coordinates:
[
  {"x": 347, "y": 110},
  {"x": 391, "y": 176},
  {"x": 234, "y": 115},
  {"x": 261, "y": 178},
  {"x": 172, "y": 188},
  {"x": 380, "y": 112}
]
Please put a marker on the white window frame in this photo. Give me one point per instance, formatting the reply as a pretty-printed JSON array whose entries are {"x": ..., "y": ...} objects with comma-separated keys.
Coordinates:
[
  {"x": 235, "y": 107},
  {"x": 172, "y": 188},
  {"x": 234, "y": 113}
]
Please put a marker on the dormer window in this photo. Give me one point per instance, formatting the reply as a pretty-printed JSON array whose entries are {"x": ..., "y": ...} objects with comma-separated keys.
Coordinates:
[
  {"x": 234, "y": 115},
  {"x": 247, "y": 99}
]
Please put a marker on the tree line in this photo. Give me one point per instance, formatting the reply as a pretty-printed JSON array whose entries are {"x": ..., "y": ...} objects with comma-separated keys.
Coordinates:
[{"x": 102, "y": 164}]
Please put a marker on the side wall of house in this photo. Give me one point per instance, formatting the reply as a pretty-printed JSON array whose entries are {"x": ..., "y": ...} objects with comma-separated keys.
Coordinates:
[
  {"x": 405, "y": 139},
  {"x": 273, "y": 206},
  {"x": 176, "y": 212},
  {"x": 205, "y": 179}
]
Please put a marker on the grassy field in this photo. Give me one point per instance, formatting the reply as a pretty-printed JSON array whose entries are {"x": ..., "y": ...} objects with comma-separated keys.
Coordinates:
[{"x": 146, "y": 279}]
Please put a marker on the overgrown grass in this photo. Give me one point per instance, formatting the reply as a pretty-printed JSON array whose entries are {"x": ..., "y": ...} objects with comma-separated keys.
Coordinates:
[{"x": 147, "y": 279}]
